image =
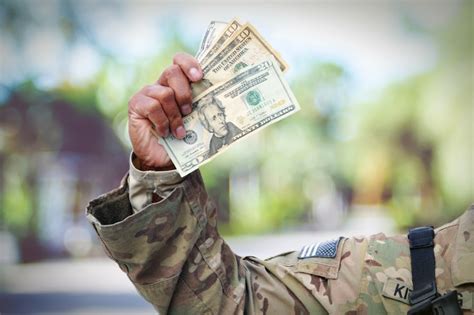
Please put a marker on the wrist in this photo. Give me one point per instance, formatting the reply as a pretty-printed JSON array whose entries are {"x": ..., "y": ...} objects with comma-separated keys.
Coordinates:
[{"x": 143, "y": 166}]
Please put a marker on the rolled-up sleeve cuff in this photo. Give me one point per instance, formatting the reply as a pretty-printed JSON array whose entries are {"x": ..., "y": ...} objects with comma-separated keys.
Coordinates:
[{"x": 144, "y": 184}]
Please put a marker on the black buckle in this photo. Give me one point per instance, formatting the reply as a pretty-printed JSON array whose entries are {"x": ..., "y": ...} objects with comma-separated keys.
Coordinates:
[
  {"x": 446, "y": 304},
  {"x": 421, "y": 308}
]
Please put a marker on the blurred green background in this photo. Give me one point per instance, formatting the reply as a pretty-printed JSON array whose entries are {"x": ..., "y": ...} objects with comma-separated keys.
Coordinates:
[{"x": 386, "y": 90}]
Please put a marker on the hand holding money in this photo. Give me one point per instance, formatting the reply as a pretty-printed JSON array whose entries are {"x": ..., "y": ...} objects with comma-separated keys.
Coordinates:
[
  {"x": 239, "y": 90},
  {"x": 157, "y": 109}
]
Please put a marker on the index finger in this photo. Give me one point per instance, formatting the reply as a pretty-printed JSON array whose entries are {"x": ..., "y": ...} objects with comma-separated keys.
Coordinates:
[{"x": 189, "y": 65}]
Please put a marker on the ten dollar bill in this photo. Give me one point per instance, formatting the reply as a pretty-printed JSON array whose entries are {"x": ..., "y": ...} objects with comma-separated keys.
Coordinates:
[{"x": 245, "y": 48}]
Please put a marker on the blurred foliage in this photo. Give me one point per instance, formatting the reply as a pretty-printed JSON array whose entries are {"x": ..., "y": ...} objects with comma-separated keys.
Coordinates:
[
  {"x": 416, "y": 137},
  {"x": 408, "y": 149}
]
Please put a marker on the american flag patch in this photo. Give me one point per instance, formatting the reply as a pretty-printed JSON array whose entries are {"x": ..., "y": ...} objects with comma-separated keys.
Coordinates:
[{"x": 327, "y": 249}]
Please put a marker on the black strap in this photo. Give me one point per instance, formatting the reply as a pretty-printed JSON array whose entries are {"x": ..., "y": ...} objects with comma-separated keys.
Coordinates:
[
  {"x": 422, "y": 264},
  {"x": 424, "y": 298}
]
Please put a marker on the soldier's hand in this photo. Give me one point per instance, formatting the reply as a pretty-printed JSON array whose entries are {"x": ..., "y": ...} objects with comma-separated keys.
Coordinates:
[{"x": 161, "y": 106}]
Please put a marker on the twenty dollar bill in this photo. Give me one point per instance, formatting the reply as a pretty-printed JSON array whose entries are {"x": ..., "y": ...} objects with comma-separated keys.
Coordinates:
[{"x": 254, "y": 98}]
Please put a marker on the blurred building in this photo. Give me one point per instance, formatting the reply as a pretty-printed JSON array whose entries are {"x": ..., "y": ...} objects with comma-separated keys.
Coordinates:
[{"x": 54, "y": 158}]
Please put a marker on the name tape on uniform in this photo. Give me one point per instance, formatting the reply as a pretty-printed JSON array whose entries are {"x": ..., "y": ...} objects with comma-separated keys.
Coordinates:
[
  {"x": 397, "y": 290},
  {"x": 400, "y": 291},
  {"x": 327, "y": 249},
  {"x": 467, "y": 300}
]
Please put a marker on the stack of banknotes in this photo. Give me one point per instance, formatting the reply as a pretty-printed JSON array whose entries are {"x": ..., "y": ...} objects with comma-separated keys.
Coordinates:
[{"x": 242, "y": 91}]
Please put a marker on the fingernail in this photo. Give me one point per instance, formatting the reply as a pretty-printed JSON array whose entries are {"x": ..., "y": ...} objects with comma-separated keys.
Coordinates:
[
  {"x": 180, "y": 132},
  {"x": 195, "y": 74},
  {"x": 186, "y": 109}
]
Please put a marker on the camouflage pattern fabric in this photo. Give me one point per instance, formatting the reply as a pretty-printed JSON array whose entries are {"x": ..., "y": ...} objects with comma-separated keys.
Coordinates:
[{"x": 162, "y": 232}]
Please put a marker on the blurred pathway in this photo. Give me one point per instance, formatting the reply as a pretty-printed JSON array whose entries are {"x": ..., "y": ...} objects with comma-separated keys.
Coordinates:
[{"x": 97, "y": 286}]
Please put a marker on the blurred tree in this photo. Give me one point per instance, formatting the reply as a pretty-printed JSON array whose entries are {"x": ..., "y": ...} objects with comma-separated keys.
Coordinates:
[
  {"x": 414, "y": 149},
  {"x": 50, "y": 161}
]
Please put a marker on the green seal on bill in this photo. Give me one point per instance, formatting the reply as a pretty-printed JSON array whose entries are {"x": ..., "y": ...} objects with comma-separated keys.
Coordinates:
[
  {"x": 191, "y": 137},
  {"x": 253, "y": 98}
]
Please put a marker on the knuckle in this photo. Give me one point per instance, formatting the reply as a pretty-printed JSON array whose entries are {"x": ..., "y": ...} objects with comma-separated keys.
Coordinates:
[
  {"x": 151, "y": 107},
  {"x": 147, "y": 89},
  {"x": 162, "y": 120},
  {"x": 163, "y": 127},
  {"x": 166, "y": 94},
  {"x": 131, "y": 108},
  {"x": 134, "y": 99},
  {"x": 174, "y": 114},
  {"x": 131, "y": 103},
  {"x": 176, "y": 121},
  {"x": 183, "y": 58},
  {"x": 177, "y": 57},
  {"x": 186, "y": 96},
  {"x": 171, "y": 71}
]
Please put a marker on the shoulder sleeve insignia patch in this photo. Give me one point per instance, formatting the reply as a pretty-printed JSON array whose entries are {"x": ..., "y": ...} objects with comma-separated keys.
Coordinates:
[{"x": 327, "y": 249}]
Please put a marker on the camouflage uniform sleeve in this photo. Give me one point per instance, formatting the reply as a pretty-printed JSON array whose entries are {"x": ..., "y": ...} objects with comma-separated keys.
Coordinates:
[{"x": 169, "y": 248}]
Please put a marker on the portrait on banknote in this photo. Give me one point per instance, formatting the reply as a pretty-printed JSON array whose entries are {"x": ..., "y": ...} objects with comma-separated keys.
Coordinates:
[{"x": 212, "y": 116}]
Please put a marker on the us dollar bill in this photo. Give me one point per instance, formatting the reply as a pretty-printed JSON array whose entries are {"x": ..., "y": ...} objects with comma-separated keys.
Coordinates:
[
  {"x": 245, "y": 48},
  {"x": 210, "y": 37},
  {"x": 211, "y": 50},
  {"x": 249, "y": 101}
]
